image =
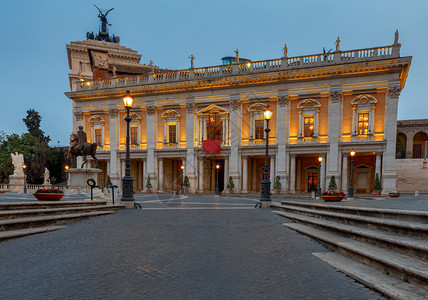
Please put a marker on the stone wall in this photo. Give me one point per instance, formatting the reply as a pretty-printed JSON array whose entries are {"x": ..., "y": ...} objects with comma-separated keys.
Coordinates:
[{"x": 411, "y": 176}]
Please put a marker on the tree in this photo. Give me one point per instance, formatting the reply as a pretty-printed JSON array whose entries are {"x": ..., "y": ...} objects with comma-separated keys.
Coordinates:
[
  {"x": 32, "y": 121},
  {"x": 332, "y": 185}
]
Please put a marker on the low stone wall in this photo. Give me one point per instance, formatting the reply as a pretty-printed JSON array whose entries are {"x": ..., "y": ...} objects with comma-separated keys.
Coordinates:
[{"x": 411, "y": 176}]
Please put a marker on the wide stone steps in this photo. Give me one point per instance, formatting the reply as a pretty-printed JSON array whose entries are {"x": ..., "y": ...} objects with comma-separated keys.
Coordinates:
[
  {"x": 18, "y": 219},
  {"x": 414, "y": 247},
  {"x": 390, "y": 243}
]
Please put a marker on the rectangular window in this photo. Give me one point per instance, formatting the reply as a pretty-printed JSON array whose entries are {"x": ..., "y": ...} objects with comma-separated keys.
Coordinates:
[
  {"x": 98, "y": 136},
  {"x": 172, "y": 134},
  {"x": 134, "y": 135},
  {"x": 258, "y": 134},
  {"x": 309, "y": 126},
  {"x": 214, "y": 128},
  {"x": 363, "y": 123}
]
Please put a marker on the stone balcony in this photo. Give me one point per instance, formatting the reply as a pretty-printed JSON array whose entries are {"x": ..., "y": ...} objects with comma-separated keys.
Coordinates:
[{"x": 254, "y": 67}]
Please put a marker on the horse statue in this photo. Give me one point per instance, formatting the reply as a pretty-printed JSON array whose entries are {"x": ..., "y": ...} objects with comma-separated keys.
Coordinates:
[{"x": 76, "y": 150}]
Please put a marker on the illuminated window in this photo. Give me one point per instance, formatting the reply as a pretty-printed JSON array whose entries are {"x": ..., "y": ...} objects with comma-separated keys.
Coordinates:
[
  {"x": 259, "y": 124},
  {"x": 172, "y": 134},
  {"x": 363, "y": 123},
  {"x": 99, "y": 136},
  {"x": 309, "y": 126},
  {"x": 134, "y": 135},
  {"x": 214, "y": 128}
]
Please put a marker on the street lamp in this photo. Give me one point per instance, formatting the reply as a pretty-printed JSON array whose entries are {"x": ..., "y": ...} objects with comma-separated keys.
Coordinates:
[
  {"x": 217, "y": 167},
  {"x": 66, "y": 176},
  {"x": 265, "y": 184},
  {"x": 127, "y": 180},
  {"x": 182, "y": 180},
  {"x": 351, "y": 187},
  {"x": 24, "y": 167},
  {"x": 319, "y": 179}
]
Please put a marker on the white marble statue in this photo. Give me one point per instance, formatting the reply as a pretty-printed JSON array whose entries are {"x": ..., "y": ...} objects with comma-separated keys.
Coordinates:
[
  {"x": 18, "y": 162},
  {"x": 46, "y": 176},
  {"x": 338, "y": 44}
]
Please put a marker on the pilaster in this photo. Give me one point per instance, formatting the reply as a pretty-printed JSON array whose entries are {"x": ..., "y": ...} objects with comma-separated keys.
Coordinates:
[
  {"x": 333, "y": 156},
  {"x": 282, "y": 119},
  {"x": 190, "y": 157},
  {"x": 151, "y": 145},
  {"x": 234, "y": 148}
]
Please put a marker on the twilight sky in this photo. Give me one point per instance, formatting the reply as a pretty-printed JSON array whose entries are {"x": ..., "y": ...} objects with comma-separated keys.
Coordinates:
[{"x": 34, "y": 34}]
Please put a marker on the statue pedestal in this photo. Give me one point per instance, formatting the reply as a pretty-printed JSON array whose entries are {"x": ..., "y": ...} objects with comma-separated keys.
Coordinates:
[
  {"x": 16, "y": 183},
  {"x": 77, "y": 180}
]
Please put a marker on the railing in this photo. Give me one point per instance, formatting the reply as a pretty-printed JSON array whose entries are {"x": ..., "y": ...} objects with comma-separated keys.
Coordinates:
[{"x": 285, "y": 63}]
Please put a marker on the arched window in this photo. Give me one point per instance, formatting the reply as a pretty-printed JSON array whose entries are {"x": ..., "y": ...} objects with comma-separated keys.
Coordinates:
[
  {"x": 257, "y": 122},
  {"x": 171, "y": 120},
  {"x": 308, "y": 110},
  {"x": 363, "y": 108},
  {"x": 419, "y": 144},
  {"x": 400, "y": 149},
  {"x": 97, "y": 130},
  {"x": 134, "y": 130}
]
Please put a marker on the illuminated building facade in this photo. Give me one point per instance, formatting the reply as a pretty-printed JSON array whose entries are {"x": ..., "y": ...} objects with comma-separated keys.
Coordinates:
[{"x": 323, "y": 104}]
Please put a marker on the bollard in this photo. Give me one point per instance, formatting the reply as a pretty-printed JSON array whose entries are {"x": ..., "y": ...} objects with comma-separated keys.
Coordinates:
[
  {"x": 112, "y": 191},
  {"x": 416, "y": 193},
  {"x": 92, "y": 183},
  {"x": 313, "y": 194}
]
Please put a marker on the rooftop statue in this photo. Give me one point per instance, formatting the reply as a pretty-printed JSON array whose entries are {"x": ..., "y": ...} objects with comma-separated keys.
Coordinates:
[
  {"x": 396, "y": 37},
  {"x": 103, "y": 18},
  {"x": 192, "y": 58},
  {"x": 285, "y": 50}
]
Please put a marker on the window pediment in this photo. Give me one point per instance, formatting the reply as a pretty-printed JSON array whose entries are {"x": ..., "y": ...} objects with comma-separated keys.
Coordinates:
[
  {"x": 257, "y": 109},
  {"x": 308, "y": 105},
  {"x": 213, "y": 109},
  {"x": 96, "y": 120},
  {"x": 364, "y": 102},
  {"x": 171, "y": 115}
]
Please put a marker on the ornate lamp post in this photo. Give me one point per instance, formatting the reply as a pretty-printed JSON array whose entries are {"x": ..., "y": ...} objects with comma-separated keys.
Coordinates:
[
  {"x": 24, "y": 167},
  {"x": 182, "y": 180},
  {"x": 127, "y": 180},
  {"x": 217, "y": 167},
  {"x": 319, "y": 179},
  {"x": 265, "y": 184},
  {"x": 66, "y": 176},
  {"x": 351, "y": 187}
]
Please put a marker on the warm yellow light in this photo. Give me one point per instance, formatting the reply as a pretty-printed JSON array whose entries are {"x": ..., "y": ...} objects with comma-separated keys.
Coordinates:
[
  {"x": 66, "y": 167},
  {"x": 352, "y": 153},
  {"x": 267, "y": 114},
  {"x": 24, "y": 166},
  {"x": 320, "y": 158},
  {"x": 217, "y": 166},
  {"x": 127, "y": 100},
  {"x": 249, "y": 65},
  {"x": 182, "y": 167}
]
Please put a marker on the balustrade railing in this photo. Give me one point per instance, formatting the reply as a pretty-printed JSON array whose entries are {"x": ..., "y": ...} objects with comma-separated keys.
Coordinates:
[{"x": 245, "y": 68}]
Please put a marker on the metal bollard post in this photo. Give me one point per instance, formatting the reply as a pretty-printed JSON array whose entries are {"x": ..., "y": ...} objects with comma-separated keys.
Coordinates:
[
  {"x": 112, "y": 191},
  {"x": 92, "y": 183}
]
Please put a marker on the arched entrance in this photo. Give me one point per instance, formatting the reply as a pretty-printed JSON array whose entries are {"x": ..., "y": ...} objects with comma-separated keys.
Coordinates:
[
  {"x": 418, "y": 144},
  {"x": 400, "y": 149}
]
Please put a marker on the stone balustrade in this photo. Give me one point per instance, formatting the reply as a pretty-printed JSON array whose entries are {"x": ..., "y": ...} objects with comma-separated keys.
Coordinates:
[{"x": 285, "y": 63}]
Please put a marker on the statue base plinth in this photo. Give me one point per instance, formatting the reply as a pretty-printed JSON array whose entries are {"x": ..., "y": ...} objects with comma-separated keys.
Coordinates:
[
  {"x": 16, "y": 183},
  {"x": 77, "y": 180}
]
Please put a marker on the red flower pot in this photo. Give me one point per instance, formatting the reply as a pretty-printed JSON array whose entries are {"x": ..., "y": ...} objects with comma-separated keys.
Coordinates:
[
  {"x": 394, "y": 195},
  {"x": 230, "y": 191},
  {"x": 332, "y": 198},
  {"x": 48, "y": 196}
]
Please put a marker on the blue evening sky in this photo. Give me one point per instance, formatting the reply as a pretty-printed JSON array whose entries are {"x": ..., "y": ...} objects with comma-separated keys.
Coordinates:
[{"x": 33, "y": 37}]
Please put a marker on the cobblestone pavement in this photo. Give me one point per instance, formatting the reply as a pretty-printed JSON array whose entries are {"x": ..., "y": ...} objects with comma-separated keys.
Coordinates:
[{"x": 197, "y": 247}]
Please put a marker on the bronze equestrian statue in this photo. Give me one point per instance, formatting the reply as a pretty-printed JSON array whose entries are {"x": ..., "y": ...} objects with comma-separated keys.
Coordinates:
[{"x": 80, "y": 147}]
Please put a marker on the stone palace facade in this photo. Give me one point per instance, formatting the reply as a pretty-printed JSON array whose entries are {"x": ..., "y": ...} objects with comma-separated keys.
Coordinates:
[{"x": 323, "y": 105}]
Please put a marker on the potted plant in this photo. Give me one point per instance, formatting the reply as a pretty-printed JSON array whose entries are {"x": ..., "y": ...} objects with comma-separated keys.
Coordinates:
[
  {"x": 332, "y": 195},
  {"x": 394, "y": 194},
  {"x": 186, "y": 184},
  {"x": 108, "y": 183},
  {"x": 230, "y": 186},
  {"x": 48, "y": 194},
  {"x": 148, "y": 185},
  {"x": 277, "y": 185},
  {"x": 377, "y": 186}
]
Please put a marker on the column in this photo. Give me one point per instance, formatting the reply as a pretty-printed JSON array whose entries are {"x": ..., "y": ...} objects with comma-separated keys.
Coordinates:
[
  {"x": 409, "y": 144},
  {"x": 234, "y": 158},
  {"x": 190, "y": 156},
  {"x": 293, "y": 174},
  {"x": 389, "y": 176},
  {"x": 151, "y": 146},
  {"x": 344, "y": 186},
  {"x": 333, "y": 156},
  {"x": 226, "y": 171},
  {"x": 114, "y": 174},
  {"x": 378, "y": 164},
  {"x": 201, "y": 174},
  {"x": 160, "y": 174},
  {"x": 322, "y": 175},
  {"x": 272, "y": 171},
  {"x": 245, "y": 175},
  {"x": 144, "y": 173},
  {"x": 281, "y": 159}
]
